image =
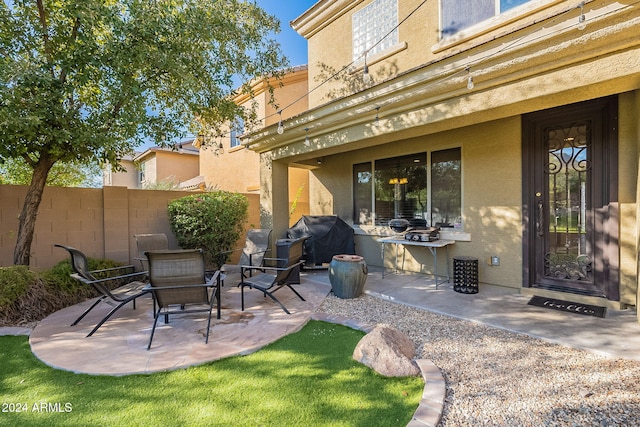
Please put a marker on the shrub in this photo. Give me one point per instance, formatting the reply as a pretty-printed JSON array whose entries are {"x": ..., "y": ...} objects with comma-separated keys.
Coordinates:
[
  {"x": 59, "y": 279},
  {"x": 27, "y": 296},
  {"x": 211, "y": 221},
  {"x": 14, "y": 282}
]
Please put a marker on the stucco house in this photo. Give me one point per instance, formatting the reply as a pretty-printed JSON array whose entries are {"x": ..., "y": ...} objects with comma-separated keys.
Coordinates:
[
  {"x": 225, "y": 162},
  {"x": 176, "y": 166},
  {"x": 512, "y": 125}
]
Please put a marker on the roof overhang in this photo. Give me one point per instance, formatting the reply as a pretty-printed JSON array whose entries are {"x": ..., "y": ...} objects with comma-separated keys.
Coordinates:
[{"x": 551, "y": 61}]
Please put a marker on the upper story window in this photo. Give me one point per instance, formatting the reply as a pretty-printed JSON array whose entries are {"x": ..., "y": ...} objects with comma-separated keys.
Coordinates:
[
  {"x": 373, "y": 28},
  {"x": 237, "y": 129},
  {"x": 456, "y": 15},
  {"x": 142, "y": 178}
]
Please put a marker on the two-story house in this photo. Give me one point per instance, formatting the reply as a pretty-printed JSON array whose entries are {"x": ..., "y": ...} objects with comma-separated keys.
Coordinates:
[
  {"x": 158, "y": 167},
  {"x": 226, "y": 163},
  {"x": 512, "y": 125}
]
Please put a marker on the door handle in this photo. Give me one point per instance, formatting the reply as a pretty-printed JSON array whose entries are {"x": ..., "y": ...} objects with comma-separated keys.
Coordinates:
[{"x": 540, "y": 219}]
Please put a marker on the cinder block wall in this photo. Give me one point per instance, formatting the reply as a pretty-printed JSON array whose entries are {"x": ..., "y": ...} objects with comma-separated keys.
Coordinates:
[{"x": 100, "y": 222}]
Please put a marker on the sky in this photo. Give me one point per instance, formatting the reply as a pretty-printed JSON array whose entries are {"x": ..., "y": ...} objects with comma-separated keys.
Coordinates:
[{"x": 292, "y": 44}]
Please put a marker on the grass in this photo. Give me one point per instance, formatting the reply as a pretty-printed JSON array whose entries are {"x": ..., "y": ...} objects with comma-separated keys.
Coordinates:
[{"x": 305, "y": 379}]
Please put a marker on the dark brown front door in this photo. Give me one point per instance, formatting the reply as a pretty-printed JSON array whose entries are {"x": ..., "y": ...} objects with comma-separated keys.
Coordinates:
[{"x": 570, "y": 199}]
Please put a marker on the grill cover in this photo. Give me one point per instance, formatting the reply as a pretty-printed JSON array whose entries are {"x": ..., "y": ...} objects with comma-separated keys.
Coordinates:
[{"x": 328, "y": 235}]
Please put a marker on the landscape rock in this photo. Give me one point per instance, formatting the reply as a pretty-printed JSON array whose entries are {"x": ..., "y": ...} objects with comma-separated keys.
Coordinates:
[{"x": 387, "y": 351}]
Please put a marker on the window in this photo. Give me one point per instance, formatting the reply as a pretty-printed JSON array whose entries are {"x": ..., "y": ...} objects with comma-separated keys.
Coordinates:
[
  {"x": 446, "y": 188},
  {"x": 373, "y": 28},
  {"x": 362, "y": 187},
  {"x": 237, "y": 129},
  {"x": 141, "y": 173},
  {"x": 400, "y": 187},
  {"x": 457, "y": 15}
]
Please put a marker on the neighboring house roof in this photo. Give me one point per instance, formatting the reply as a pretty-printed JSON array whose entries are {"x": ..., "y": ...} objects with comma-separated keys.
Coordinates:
[
  {"x": 186, "y": 147},
  {"x": 196, "y": 183}
]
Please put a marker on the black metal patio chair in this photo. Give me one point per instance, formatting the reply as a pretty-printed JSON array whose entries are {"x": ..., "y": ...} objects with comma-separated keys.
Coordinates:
[
  {"x": 149, "y": 242},
  {"x": 257, "y": 244},
  {"x": 178, "y": 281},
  {"x": 128, "y": 288},
  {"x": 275, "y": 277}
]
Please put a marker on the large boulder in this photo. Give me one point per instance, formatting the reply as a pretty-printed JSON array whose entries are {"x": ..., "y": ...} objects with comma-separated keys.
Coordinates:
[{"x": 387, "y": 351}]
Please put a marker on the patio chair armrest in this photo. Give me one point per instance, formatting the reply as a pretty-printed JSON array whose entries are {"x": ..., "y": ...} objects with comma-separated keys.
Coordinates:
[
  {"x": 106, "y": 270},
  {"x": 271, "y": 268},
  {"x": 150, "y": 288},
  {"x": 273, "y": 260},
  {"x": 107, "y": 279},
  {"x": 210, "y": 282},
  {"x": 229, "y": 251},
  {"x": 262, "y": 252}
]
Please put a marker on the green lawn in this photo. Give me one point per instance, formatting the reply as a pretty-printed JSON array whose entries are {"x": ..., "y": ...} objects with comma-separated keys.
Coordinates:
[{"x": 305, "y": 379}]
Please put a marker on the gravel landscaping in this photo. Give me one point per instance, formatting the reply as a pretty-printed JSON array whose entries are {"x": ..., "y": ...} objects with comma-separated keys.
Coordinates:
[{"x": 500, "y": 378}]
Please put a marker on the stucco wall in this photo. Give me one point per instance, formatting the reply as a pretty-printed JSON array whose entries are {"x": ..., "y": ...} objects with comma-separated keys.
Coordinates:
[
  {"x": 329, "y": 35},
  {"x": 176, "y": 165},
  {"x": 492, "y": 197},
  {"x": 238, "y": 169},
  {"x": 530, "y": 60},
  {"x": 100, "y": 222},
  {"x": 628, "y": 163},
  {"x": 128, "y": 178}
]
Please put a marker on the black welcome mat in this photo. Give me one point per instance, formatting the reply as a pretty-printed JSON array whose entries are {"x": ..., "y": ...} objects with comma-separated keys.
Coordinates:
[{"x": 570, "y": 307}]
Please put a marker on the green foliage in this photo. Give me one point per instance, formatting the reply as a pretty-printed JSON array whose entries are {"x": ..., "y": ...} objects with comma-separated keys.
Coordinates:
[
  {"x": 211, "y": 221},
  {"x": 59, "y": 277},
  {"x": 268, "y": 388},
  {"x": 27, "y": 296},
  {"x": 16, "y": 172},
  {"x": 81, "y": 79},
  {"x": 86, "y": 81},
  {"x": 169, "y": 184},
  {"x": 14, "y": 282}
]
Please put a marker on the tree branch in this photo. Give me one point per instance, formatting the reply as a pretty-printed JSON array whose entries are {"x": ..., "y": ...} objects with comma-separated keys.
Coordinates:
[
  {"x": 42, "y": 14},
  {"x": 72, "y": 39}
]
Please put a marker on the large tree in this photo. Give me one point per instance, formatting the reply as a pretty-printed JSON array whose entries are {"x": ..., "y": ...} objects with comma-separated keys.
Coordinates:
[{"x": 88, "y": 80}]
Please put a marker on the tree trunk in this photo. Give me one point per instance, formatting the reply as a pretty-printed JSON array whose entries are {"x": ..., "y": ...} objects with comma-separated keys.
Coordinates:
[{"x": 27, "y": 219}]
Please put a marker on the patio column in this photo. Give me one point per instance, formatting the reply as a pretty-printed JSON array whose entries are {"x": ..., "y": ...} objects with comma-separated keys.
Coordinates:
[
  {"x": 274, "y": 195},
  {"x": 638, "y": 243}
]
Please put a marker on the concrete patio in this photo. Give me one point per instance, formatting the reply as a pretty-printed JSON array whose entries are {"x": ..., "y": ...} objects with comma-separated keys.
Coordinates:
[{"x": 119, "y": 347}]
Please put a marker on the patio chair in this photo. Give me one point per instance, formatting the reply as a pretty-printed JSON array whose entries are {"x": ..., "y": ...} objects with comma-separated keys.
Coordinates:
[
  {"x": 256, "y": 245},
  {"x": 177, "y": 280},
  {"x": 283, "y": 271},
  {"x": 149, "y": 242},
  {"x": 131, "y": 287}
]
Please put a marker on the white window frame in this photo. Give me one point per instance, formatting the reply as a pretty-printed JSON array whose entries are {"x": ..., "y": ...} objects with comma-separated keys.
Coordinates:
[
  {"x": 237, "y": 129},
  {"x": 497, "y": 10},
  {"x": 142, "y": 179}
]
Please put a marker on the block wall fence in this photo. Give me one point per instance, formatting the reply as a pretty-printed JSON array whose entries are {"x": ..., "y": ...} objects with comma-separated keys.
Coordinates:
[{"x": 100, "y": 222}]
